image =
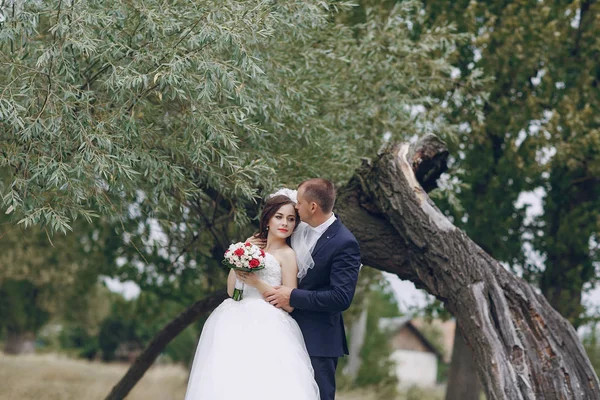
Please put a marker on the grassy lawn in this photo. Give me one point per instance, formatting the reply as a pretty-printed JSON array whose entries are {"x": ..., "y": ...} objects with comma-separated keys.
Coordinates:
[{"x": 54, "y": 377}]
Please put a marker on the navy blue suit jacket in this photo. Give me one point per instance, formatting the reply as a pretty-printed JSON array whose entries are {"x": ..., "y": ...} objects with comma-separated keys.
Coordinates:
[{"x": 326, "y": 291}]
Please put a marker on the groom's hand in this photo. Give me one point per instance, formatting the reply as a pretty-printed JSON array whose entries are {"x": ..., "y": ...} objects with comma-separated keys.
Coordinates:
[
  {"x": 261, "y": 243},
  {"x": 279, "y": 296}
]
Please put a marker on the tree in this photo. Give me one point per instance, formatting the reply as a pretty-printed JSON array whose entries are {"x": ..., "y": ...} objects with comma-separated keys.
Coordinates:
[
  {"x": 20, "y": 315},
  {"x": 538, "y": 136},
  {"x": 463, "y": 382},
  {"x": 195, "y": 104},
  {"x": 181, "y": 117},
  {"x": 540, "y": 133},
  {"x": 43, "y": 280},
  {"x": 515, "y": 335}
]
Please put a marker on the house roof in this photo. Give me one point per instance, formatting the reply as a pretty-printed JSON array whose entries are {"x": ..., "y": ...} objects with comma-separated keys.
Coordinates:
[
  {"x": 447, "y": 330},
  {"x": 394, "y": 325}
]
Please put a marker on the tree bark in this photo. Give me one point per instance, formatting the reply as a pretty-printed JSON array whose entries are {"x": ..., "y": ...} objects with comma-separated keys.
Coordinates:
[
  {"x": 161, "y": 340},
  {"x": 19, "y": 343},
  {"x": 463, "y": 383},
  {"x": 523, "y": 348}
]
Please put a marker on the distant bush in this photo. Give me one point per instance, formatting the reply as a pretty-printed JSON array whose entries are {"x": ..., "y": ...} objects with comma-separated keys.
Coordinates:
[{"x": 78, "y": 338}]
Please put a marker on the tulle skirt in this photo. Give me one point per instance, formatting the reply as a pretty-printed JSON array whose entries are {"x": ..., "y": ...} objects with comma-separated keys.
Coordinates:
[{"x": 251, "y": 350}]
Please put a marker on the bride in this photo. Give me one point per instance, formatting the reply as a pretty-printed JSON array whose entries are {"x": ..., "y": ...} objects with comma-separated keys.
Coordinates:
[{"x": 249, "y": 349}]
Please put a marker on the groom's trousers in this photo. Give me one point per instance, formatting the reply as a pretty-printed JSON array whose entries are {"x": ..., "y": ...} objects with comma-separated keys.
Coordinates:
[{"x": 325, "y": 375}]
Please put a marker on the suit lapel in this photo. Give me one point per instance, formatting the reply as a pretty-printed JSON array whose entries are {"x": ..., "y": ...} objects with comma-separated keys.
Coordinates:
[{"x": 327, "y": 236}]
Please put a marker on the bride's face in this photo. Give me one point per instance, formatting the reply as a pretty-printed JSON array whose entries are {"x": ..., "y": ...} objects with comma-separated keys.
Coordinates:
[{"x": 283, "y": 222}]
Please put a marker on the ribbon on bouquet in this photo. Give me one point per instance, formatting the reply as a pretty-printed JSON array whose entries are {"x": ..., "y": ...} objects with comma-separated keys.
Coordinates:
[{"x": 238, "y": 290}]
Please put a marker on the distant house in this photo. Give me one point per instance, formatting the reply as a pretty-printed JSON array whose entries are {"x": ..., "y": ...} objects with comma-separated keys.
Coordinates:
[
  {"x": 446, "y": 329},
  {"x": 415, "y": 357}
]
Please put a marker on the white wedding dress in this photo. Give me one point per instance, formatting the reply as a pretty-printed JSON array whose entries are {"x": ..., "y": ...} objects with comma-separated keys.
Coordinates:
[{"x": 250, "y": 350}]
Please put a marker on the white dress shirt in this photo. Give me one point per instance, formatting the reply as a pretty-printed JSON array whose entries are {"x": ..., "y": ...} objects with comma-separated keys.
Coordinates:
[{"x": 318, "y": 231}]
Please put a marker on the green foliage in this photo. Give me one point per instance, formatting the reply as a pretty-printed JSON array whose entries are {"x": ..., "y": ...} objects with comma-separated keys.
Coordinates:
[
  {"x": 172, "y": 120},
  {"x": 184, "y": 100},
  {"x": 76, "y": 337},
  {"x": 113, "y": 332}
]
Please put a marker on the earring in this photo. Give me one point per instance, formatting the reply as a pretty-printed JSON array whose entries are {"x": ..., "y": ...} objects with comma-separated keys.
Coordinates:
[{"x": 267, "y": 228}]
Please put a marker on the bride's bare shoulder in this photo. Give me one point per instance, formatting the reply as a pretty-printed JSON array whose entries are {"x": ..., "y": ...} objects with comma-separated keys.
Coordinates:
[
  {"x": 289, "y": 256},
  {"x": 289, "y": 252},
  {"x": 285, "y": 255}
]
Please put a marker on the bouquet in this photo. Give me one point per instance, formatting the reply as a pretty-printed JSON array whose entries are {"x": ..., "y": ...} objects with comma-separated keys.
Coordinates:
[{"x": 243, "y": 257}]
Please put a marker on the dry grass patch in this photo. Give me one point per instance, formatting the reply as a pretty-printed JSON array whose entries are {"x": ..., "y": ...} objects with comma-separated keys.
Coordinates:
[{"x": 56, "y": 377}]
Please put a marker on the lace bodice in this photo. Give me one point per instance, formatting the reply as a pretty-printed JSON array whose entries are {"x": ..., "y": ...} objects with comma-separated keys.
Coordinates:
[{"x": 271, "y": 274}]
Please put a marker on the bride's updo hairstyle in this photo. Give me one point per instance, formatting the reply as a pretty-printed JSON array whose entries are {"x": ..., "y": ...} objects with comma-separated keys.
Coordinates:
[{"x": 271, "y": 207}]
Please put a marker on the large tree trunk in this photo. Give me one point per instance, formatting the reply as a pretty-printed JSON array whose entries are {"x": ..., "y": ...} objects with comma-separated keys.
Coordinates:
[
  {"x": 19, "y": 343},
  {"x": 463, "y": 383},
  {"x": 523, "y": 348},
  {"x": 161, "y": 340}
]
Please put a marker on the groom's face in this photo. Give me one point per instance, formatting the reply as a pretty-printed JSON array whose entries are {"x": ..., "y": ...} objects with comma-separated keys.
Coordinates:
[{"x": 303, "y": 207}]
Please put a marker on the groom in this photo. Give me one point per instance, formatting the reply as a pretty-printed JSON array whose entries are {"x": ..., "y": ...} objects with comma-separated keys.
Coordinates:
[{"x": 328, "y": 288}]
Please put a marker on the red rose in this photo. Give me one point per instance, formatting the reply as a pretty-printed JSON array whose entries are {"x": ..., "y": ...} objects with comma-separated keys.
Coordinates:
[
  {"x": 239, "y": 252},
  {"x": 262, "y": 253},
  {"x": 254, "y": 263},
  {"x": 247, "y": 244}
]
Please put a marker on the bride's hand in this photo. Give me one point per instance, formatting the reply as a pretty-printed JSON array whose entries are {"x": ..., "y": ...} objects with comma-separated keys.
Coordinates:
[{"x": 248, "y": 278}]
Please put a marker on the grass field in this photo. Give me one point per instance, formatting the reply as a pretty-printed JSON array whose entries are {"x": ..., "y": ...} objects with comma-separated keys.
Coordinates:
[{"x": 54, "y": 377}]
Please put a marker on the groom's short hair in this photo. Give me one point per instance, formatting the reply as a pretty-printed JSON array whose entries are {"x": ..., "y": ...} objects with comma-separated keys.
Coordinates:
[{"x": 321, "y": 191}]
